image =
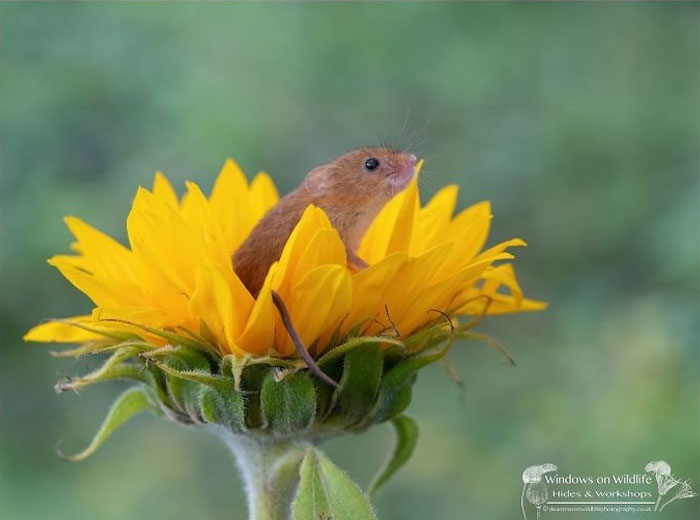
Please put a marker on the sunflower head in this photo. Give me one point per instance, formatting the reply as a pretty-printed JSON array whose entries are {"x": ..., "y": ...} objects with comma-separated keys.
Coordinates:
[{"x": 173, "y": 315}]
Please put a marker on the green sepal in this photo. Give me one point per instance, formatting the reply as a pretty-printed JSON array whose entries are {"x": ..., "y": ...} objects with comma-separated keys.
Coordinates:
[
  {"x": 333, "y": 368},
  {"x": 186, "y": 369},
  {"x": 357, "y": 342},
  {"x": 406, "y": 430},
  {"x": 113, "y": 334},
  {"x": 231, "y": 365},
  {"x": 489, "y": 341},
  {"x": 89, "y": 347},
  {"x": 326, "y": 492},
  {"x": 395, "y": 388},
  {"x": 205, "y": 341},
  {"x": 103, "y": 347},
  {"x": 160, "y": 385},
  {"x": 113, "y": 368},
  {"x": 191, "y": 357},
  {"x": 128, "y": 404},
  {"x": 288, "y": 405},
  {"x": 223, "y": 406},
  {"x": 359, "y": 384},
  {"x": 429, "y": 337},
  {"x": 173, "y": 337},
  {"x": 202, "y": 377},
  {"x": 251, "y": 381}
]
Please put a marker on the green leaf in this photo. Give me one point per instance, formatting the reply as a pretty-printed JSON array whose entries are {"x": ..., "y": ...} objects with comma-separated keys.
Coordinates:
[
  {"x": 406, "y": 438},
  {"x": 355, "y": 396},
  {"x": 131, "y": 402},
  {"x": 327, "y": 493},
  {"x": 288, "y": 405}
]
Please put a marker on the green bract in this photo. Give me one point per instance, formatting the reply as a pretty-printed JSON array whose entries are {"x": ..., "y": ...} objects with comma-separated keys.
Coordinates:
[
  {"x": 273, "y": 412},
  {"x": 268, "y": 397}
]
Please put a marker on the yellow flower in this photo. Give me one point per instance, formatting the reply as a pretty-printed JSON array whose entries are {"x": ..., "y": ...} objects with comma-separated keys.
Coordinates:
[{"x": 177, "y": 275}]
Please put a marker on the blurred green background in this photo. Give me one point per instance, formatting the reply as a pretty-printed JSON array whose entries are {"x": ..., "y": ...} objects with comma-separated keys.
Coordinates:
[{"x": 578, "y": 121}]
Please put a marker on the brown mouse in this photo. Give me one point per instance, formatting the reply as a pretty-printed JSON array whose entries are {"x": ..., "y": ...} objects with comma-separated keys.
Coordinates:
[{"x": 351, "y": 189}]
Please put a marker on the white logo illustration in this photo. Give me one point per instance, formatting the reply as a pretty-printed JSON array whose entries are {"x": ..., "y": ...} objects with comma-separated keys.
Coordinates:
[
  {"x": 666, "y": 482},
  {"x": 534, "y": 487}
]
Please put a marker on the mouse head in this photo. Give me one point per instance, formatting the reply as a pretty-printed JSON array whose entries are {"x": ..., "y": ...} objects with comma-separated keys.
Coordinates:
[{"x": 367, "y": 176}]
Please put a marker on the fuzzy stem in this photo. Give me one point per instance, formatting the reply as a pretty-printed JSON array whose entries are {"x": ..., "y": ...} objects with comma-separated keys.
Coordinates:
[{"x": 270, "y": 471}]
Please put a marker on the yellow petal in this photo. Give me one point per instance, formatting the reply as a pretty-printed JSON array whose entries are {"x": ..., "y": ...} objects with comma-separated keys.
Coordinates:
[
  {"x": 163, "y": 242},
  {"x": 63, "y": 331},
  {"x": 259, "y": 334},
  {"x": 502, "y": 276},
  {"x": 167, "y": 253},
  {"x": 402, "y": 232},
  {"x": 263, "y": 195},
  {"x": 147, "y": 316},
  {"x": 446, "y": 295},
  {"x": 223, "y": 303},
  {"x": 407, "y": 286},
  {"x": 102, "y": 255},
  {"x": 433, "y": 220},
  {"x": 100, "y": 290},
  {"x": 508, "y": 305},
  {"x": 392, "y": 228},
  {"x": 324, "y": 247},
  {"x": 469, "y": 231},
  {"x": 197, "y": 213},
  {"x": 321, "y": 298},
  {"x": 472, "y": 226},
  {"x": 498, "y": 248},
  {"x": 369, "y": 286},
  {"x": 491, "y": 299},
  {"x": 163, "y": 190},
  {"x": 230, "y": 203},
  {"x": 291, "y": 263}
]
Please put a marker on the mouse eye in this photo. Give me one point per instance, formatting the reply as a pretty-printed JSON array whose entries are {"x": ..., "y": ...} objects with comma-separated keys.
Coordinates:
[{"x": 372, "y": 164}]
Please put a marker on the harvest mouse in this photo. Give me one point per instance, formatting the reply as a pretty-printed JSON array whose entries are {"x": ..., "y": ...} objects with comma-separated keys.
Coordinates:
[{"x": 351, "y": 189}]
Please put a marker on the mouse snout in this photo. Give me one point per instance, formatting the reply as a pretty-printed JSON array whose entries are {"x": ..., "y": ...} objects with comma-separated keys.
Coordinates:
[
  {"x": 404, "y": 168},
  {"x": 408, "y": 162}
]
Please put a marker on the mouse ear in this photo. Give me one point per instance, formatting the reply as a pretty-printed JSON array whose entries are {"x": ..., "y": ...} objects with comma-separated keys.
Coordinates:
[{"x": 318, "y": 180}]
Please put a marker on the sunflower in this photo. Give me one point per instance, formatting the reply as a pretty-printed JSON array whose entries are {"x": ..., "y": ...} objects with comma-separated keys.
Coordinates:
[
  {"x": 176, "y": 275},
  {"x": 322, "y": 349}
]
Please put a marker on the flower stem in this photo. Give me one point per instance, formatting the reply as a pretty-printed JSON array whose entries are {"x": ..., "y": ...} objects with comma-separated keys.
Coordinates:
[{"x": 270, "y": 471}]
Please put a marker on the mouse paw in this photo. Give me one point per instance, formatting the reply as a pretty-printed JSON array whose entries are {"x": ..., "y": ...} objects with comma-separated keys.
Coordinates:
[{"x": 355, "y": 262}]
